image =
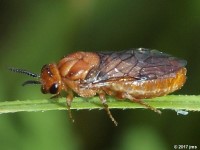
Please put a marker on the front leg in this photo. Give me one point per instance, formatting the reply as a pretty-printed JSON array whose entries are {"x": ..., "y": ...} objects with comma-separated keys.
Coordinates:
[
  {"x": 55, "y": 96},
  {"x": 102, "y": 97},
  {"x": 69, "y": 100}
]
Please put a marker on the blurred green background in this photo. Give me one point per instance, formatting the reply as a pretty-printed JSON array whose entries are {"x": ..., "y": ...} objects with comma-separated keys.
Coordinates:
[{"x": 33, "y": 33}]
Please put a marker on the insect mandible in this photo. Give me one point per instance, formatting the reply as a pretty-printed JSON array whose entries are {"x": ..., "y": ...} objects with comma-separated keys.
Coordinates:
[{"x": 134, "y": 74}]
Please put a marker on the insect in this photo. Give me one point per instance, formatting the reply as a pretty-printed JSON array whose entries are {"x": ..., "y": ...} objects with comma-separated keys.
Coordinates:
[{"x": 134, "y": 74}]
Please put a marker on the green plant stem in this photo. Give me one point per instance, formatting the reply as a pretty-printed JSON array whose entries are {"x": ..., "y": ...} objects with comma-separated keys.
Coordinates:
[{"x": 174, "y": 102}]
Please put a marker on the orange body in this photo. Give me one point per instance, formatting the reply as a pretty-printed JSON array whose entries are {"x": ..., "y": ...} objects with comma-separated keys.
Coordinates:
[
  {"x": 70, "y": 74},
  {"x": 134, "y": 74}
]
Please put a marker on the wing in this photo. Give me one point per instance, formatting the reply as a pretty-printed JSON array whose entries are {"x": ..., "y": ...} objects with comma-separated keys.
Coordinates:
[{"x": 139, "y": 64}]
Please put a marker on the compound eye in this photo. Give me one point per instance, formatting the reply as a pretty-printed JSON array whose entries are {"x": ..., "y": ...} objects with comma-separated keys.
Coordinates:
[{"x": 53, "y": 89}]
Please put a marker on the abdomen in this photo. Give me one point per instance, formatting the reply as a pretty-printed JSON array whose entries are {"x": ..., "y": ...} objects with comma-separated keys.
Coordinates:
[{"x": 147, "y": 89}]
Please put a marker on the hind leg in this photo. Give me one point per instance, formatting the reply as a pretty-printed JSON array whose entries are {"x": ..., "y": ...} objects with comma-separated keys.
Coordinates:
[{"x": 139, "y": 101}]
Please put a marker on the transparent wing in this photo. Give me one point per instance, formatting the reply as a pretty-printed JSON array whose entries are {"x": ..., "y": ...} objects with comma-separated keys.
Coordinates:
[{"x": 139, "y": 64}]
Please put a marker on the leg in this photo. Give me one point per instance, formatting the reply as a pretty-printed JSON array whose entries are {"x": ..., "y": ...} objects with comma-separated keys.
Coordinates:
[
  {"x": 55, "y": 96},
  {"x": 103, "y": 100},
  {"x": 69, "y": 99},
  {"x": 139, "y": 101}
]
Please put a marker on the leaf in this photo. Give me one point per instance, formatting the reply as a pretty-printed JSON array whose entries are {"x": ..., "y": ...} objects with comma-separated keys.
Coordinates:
[{"x": 174, "y": 102}]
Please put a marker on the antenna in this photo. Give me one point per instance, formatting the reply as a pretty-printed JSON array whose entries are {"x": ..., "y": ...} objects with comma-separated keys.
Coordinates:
[
  {"x": 31, "y": 82},
  {"x": 22, "y": 71}
]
